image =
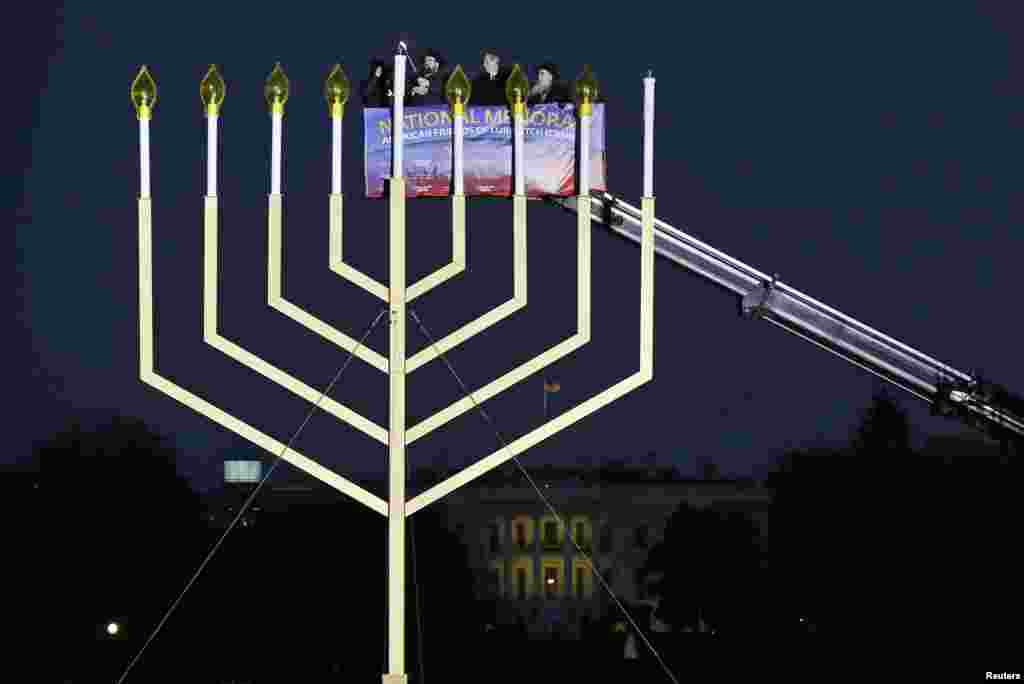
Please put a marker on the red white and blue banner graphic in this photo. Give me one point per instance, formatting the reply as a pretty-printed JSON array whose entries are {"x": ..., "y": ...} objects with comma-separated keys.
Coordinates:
[{"x": 549, "y": 150}]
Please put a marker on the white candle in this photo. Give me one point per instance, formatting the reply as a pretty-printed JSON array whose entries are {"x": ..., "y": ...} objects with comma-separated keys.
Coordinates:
[
  {"x": 649, "y": 136},
  {"x": 459, "y": 125},
  {"x": 336, "y": 156},
  {"x": 398, "y": 89},
  {"x": 144, "y": 151},
  {"x": 275, "y": 153},
  {"x": 517, "y": 147},
  {"x": 211, "y": 155},
  {"x": 584, "y": 184}
]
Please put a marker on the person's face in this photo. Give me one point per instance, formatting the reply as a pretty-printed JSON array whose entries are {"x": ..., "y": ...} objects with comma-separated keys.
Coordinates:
[
  {"x": 544, "y": 78},
  {"x": 491, "y": 64},
  {"x": 430, "y": 62}
]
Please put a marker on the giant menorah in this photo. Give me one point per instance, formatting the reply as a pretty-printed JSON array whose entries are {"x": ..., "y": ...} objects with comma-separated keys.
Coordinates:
[{"x": 396, "y": 294}]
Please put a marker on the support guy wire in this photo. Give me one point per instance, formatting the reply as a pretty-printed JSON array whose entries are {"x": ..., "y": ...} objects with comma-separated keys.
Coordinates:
[{"x": 250, "y": 499}]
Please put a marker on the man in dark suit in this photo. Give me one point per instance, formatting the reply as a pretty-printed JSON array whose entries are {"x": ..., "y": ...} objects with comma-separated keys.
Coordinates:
[{"x": 489, "y": 85}]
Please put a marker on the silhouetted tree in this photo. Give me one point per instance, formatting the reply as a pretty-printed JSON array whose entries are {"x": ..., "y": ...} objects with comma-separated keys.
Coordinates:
[
  {"x": 124, "y": 531},
  {"x": 839, "y": 522},
  {"x": 710, "y": 565},
  {"x": 818, "y": 545},
  {"x": 301, "y": 596},
  {"x": 455, "y": 645},
  {"x": 884, "y": 429},
  {"x": 879, "y": 545}
]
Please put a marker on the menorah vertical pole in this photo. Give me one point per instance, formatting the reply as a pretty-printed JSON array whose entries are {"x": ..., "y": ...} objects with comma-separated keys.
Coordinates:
[{"x": 396, "y": 398}]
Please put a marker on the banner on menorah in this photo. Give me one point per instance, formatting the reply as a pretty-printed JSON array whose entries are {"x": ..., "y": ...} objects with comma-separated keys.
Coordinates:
[{"x": 549, "y": 150}]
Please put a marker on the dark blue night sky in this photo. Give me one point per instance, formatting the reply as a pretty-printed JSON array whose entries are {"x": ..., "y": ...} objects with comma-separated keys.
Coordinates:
[{"x": 871, "y": 158}]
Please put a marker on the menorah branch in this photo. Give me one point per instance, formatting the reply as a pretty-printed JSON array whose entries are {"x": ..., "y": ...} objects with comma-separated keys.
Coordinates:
[
  {"x": 458, "y": 263},
  {"x": 244, "y": 356},
  {"x": 148, "y": 375},
  {"x": 481, "y": 323},
  {"x": 336, "y": 257},
  {"x": 534, "y": 365},
  {"x": 277, "y": 301},
  {"x": 574, "y": 415}
]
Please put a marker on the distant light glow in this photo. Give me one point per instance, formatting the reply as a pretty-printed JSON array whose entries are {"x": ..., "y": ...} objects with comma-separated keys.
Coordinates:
[
  {"x": 242, "y": 471},
  {"x": 551, "y": 580},
  {"x": 113, "y": 628}
]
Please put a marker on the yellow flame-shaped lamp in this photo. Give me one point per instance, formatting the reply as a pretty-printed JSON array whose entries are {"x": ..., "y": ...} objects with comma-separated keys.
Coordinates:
[
  {"x": 457, "y": 90},
  {"x": 144, "y": 94},
  {"x": 211, "y": 91},
  {"x": 276, "y": 90},
  {"x": 586, "y": 91},
  {"x": 336, "y": 91},
  {"x": 516, "y": 89}
]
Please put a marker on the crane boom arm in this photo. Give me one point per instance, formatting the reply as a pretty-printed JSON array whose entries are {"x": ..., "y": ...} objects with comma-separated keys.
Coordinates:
[{"x": 949, "y": 391}]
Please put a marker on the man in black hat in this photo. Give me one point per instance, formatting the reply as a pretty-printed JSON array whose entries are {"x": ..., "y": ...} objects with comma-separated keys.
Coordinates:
[
  {"x": 427, "y": 87},
  {"x": 548, "y": 88}
]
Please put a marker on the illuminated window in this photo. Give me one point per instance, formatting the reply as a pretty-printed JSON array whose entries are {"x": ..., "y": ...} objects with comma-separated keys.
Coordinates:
[
  {"x": 582, "y": 532},
  {"x": 583, "y": 578},
  {"x": 522, "y": 531},
  {"x": 551, "y": 533},
  {"x": 550, "y": 582}
]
